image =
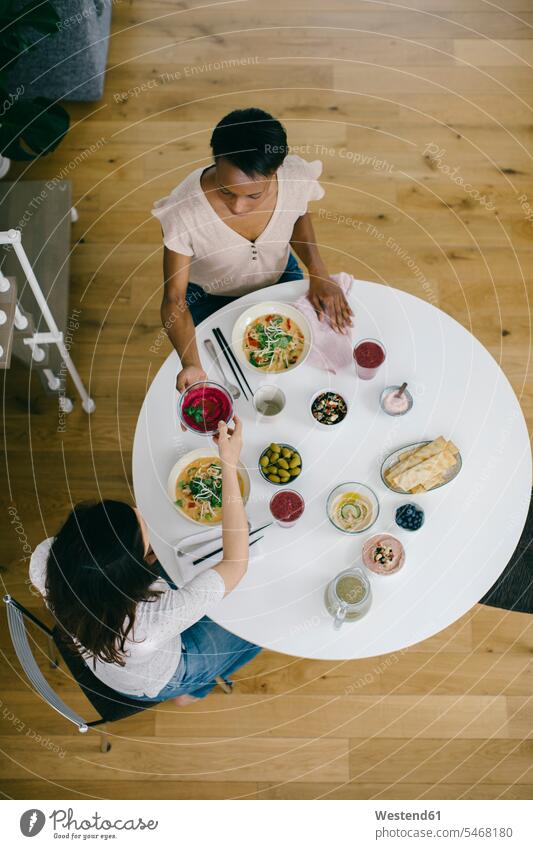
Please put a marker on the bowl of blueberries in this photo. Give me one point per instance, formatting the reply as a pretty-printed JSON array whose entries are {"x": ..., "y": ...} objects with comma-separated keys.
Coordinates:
[{"x": 410, "y": 517}]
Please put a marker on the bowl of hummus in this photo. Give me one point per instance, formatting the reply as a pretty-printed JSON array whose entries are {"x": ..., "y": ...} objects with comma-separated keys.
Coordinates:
[
  {"x": 383, "y": 554},
  {"x": 352, "y": 507}
]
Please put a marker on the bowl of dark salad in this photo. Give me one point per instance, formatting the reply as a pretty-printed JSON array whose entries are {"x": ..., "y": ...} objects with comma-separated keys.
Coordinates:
[{"x": 328, "y": 408}]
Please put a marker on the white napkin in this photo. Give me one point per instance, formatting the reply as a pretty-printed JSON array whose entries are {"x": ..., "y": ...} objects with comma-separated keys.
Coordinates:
[
  {"x": 197, "y": 545},
  {"x": 331, "y": 351}
]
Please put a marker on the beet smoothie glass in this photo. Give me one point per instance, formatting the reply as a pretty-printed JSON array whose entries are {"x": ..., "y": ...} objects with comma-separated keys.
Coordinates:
[
  {"x": 286, "y": 507},
  {"x": 203, "y": 405},
  {"x": 369, "y": 355}
]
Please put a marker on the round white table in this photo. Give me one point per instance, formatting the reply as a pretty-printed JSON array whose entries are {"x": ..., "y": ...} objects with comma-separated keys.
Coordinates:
[{"x": 472, "y": 525}]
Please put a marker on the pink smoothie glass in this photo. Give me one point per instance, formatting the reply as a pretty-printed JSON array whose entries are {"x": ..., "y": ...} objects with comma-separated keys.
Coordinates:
[{"x": 369, "y": 355}]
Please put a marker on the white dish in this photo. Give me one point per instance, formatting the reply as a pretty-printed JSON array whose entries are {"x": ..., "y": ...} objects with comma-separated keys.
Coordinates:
[
  {"x": 394, "y": 457},
  {"x": 182, "y": 463},
  {"x": 252, "y": 313}
]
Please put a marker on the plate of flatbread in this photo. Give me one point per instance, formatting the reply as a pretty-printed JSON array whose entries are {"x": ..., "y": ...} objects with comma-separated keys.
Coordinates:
[{"x": 422, "y": 466}]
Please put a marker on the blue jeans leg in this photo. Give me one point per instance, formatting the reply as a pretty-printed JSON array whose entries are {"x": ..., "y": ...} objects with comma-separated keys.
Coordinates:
[
  {"x": 208, "y": 651},
  {"x": 292, "y": 271},
  {"x": 211, "y": 651},
  {"x": 201, "y": 304}
]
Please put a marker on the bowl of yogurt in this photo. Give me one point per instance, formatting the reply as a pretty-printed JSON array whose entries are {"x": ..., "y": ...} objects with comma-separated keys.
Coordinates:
[{"x": 394, "y": 404}]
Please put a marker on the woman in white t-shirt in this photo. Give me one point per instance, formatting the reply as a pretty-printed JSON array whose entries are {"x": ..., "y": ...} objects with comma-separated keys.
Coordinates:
[
  {"x": 228, "y": 229},
  {"x": 137, "y": 635}
]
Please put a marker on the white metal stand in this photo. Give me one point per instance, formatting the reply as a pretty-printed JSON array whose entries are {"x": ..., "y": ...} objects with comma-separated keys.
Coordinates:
[
  {"x": 21, "y": 322},
  {"x": 54, "y": 336},
  {"x": 5, "y": 165}
]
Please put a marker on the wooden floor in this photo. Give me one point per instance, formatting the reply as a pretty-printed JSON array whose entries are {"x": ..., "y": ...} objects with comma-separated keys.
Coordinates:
[{"x": 401, "y": 102}]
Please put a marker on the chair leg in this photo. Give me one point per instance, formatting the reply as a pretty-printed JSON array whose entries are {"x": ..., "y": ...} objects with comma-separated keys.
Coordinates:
[
  {"x": 224, "y": 686},
  {"x": 105, "y": 745},
  {"x": 53, "y": 654}
]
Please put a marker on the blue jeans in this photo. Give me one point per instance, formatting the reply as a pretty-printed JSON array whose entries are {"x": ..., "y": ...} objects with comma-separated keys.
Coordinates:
[
  {"x": 201, "y": 304},
  {"x": 207, "y": 651}
]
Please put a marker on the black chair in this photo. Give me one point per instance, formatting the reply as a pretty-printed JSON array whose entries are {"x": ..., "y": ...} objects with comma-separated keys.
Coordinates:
[
  {"x": 514, "y": 588},
  {"x": 110, "y": 705}
]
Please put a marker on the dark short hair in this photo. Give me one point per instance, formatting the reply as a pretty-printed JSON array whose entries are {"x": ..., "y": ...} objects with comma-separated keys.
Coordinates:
[{"x": 252, "y": 140}]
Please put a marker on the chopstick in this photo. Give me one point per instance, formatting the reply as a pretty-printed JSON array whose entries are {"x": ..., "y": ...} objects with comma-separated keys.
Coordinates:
[
  {"x": 207, "y": 556},
  {"x": 218, "y": 550},
  {"x": 235, "y": 375},
  {"x": 221, "y": 339},
  {"x": 192, "y": 546}
]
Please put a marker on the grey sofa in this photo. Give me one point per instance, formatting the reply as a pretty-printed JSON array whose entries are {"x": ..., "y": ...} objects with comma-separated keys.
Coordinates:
[{"x": 71, "y": 63}]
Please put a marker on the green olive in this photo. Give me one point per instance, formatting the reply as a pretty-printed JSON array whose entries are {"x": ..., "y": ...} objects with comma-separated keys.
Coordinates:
[
  {"x": 274, "y": 479},
  {"x": 264, "y": 461},
  {"x": 275, "y": 447},
  {"x": 274, "y": 457},
  {"x": 282, "y": 464},
  {"x": 271, "y": 470},
  {"x": 294, "y": 472},
  {"x": 286, "y": 452},
  {"x": 285, "y": 477},
  {"x": 296, "y": 461}
]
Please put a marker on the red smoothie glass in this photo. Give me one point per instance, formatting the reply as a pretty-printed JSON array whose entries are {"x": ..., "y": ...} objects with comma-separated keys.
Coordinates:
[
  {"x": 369, "y": 355},
  {"x": 286, "y": 507},
  {"x": 203, "y": 405}
]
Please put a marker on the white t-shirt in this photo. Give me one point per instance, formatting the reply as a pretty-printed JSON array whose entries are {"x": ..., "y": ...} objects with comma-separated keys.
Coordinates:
[
  {"x": 154, "y": 644},
  {"x": 223, "y": 261}
]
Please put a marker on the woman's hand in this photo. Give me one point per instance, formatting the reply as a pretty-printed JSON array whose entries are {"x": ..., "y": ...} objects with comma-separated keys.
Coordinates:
[
  {"x": 188, "y": 376},
  {"x": 330, "y": 301},
  {"x": 229, "y": 442},
  {"x": 234, "y": 563}
]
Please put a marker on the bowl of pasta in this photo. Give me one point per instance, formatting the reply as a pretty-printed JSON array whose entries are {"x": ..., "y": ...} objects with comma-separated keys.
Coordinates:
[
  {"x": 272, "y": 337},
  {"x": 195, "y": 486}
]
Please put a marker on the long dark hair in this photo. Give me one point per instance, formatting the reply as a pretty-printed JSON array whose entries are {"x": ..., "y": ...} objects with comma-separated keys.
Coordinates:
[{"x": 96, "y": 575}]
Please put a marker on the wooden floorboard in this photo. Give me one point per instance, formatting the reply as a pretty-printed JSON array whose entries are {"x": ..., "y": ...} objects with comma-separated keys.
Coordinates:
[{"x": 447, "y": 718}]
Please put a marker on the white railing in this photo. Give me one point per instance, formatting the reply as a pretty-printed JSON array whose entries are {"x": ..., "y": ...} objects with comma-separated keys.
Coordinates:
[{"x": 54, "y": 335}]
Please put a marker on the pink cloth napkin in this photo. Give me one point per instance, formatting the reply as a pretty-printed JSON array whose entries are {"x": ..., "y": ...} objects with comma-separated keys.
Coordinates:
[{"x": 330, "y": 351}]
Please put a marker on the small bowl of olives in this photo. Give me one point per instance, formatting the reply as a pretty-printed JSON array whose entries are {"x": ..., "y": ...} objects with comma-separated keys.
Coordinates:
[{"x": 280, "y": 463}]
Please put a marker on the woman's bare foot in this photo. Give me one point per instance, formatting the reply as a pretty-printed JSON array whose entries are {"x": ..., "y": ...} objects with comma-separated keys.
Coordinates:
[{"x": 181, "y": 701}]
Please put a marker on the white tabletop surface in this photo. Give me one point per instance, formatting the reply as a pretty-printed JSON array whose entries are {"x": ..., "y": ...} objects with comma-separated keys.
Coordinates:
[{"x": 472, "y": 525}]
